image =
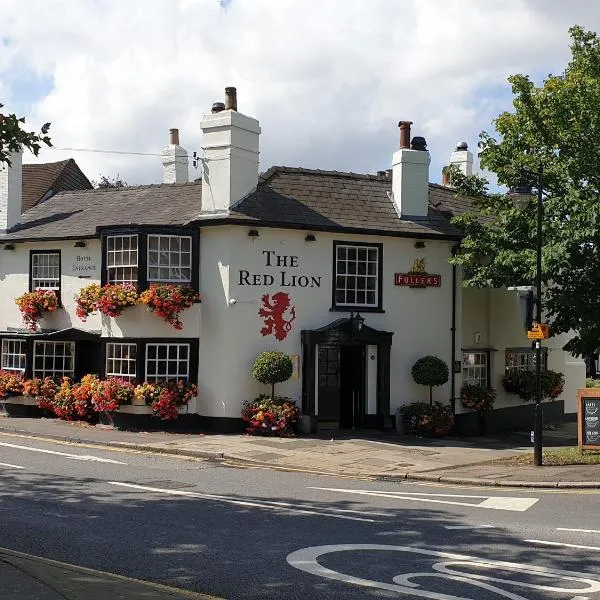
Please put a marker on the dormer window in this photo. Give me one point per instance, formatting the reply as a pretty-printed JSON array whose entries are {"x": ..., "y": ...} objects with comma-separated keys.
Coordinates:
[{"x": 142, "y": 258}]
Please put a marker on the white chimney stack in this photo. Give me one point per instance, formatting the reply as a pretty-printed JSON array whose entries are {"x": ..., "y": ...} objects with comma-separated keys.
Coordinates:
[
  {"x": 231, "y": 151},
  {"x": 410, "y": 174},
  {"x": 462, "y": 158},
  {"x": 175, "y": 160},
  {"x": 11, "y": 191}
]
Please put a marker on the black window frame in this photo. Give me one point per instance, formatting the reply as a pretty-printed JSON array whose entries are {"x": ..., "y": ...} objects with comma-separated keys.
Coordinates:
[
  {"x": 488, "y": 369},
  {"x": 143, "y": 233},
  {"x": 531, "y": 353},
  {"x": 358, "y": 307},
  {"x": 193, "y": 359},
  {"x": 56, "y": 251}
]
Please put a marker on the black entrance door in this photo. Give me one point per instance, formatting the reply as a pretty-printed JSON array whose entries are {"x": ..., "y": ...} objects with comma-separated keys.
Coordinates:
[
  {"x": 329, "y": 386},
  {"x": 352, "y": 386}
]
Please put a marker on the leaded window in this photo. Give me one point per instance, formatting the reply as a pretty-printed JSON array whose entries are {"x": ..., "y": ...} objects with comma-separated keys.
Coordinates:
[
  {"x": 523, "y": 359},
  {"x": 45, "y": 271},
  {"x": 121, "y": 360},
  {"x": 167, "y": 362},
  {"x": 475, "y": 368},
  {"x": 169, "y": 258},
  {"x": 13, "y": 355},
  {"x": 357, "y": 275},
  {"x": 53, "y": 359}
]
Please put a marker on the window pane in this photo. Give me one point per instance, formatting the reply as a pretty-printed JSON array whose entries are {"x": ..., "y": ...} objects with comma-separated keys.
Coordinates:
[
  {"x": 53, "y": 359},
  {"x": 356, "y": 275},
  {"x": 121, "y": 259}
]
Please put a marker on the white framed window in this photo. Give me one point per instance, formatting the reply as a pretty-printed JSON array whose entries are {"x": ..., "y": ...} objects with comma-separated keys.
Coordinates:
[
  {"x": 357, "y": 275},
  {"x": 475, "y": 368},
  {"x": 53, "y": 359},
  {"x": 122, "y": 259},
  {"x": 13, "y": 355},
  {"x": 167, "y": 362},
  {"x": 523, "y": 359},
  {"x": 169, "y": 258},
  {"x": 45, "y": 271},
  {"x": 121, "y": 360}
]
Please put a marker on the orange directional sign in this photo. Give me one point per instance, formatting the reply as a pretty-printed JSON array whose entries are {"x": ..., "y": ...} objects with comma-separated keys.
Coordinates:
[{"x": 539, "y": 331}]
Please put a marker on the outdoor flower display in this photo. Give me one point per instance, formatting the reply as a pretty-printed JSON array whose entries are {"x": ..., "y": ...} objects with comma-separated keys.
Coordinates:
[
  {"x": 523, "y": 384},
  {"x": 87, "y": 300},
  {"x": 11, "y": 384},
  {"x": 115, "y": 298},
  {"x": 477, "y": 397},
  {"x": 270, "y": 416},
  {"x": 109, "y": 394},
  {"x": 43, "y": 390},
  {"x": 168, "y": 301},
  {"x": 433, "y": 419},
  {"x": 165, "y": 398},
  {"x": 33, "y": 305}
]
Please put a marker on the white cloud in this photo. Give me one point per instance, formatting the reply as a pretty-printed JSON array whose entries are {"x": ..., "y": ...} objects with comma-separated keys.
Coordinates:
[{"x": 329, "y": 80}]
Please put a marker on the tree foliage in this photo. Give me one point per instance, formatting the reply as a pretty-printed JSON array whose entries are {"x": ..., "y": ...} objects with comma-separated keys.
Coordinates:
[
  {"x": 271, "y": 367},
  {"x": 109, "y": 182},
  {"x": 431, "y": 371},
  {"x": 13, "y": 138},
  {"x": 555, "y": 128}
]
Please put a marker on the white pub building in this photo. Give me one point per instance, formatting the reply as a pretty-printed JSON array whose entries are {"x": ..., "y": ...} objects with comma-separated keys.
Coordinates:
[{"x": 346, "y": 272}]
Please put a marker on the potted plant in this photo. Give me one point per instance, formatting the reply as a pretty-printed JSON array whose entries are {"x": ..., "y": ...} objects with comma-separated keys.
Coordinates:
[
  {"x": 33, "y": 305},
  {"x": 480, "y": 399},
  {"x": 270, "y": 416},
  {"x": 168, "y": 301},
  {"x": 524, "y": 384},
  {"x": 115, "y": 298},
  {"x": 271, "y": 367},
  {"x": 421, "y": 418},
  {"x": 431, "y": 371},
  {"x": 86, "y": 301}
]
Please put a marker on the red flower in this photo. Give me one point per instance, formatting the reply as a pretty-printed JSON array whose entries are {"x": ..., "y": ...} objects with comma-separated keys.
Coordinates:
[{"x": 168, "y": 301}]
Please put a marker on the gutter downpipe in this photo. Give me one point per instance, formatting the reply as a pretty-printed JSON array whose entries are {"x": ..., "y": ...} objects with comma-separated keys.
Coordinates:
[{"x": 454, "y": 251}]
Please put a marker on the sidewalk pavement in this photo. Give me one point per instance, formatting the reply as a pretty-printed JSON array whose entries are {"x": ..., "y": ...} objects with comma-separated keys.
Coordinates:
[
  {"x": 35, "y": 578},
  {"x": 367, "y": 455}
]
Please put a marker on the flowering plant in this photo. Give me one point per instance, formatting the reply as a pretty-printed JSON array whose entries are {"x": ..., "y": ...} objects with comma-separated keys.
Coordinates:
[
  {"x": 477, "y": 397},
  {"x": 82, "y": 394},
  {"x": 166, "y": 398},
  {"x": 421, "y": 417},
  {"x": 523, "y": 384},
  {"x": 33, "y": 305},
  {"x": 11, "y": 384},
  {"x": 111, "y": 393},
  {"x": 267, "y": 416},
  {"x": 63, "y": 403},
  {"x": 43, "y": 390},
  {"x": 115, "y": 298},
  {"x": 87, "y": 300},
  {"x": 168, "y": 301}
]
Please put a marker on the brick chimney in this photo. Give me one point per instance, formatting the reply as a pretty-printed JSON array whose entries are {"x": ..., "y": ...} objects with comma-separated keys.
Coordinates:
[
  {"x": 462, "y": 158},
  {"x": 175, "y": 160},
  {"x": 410, "y": 174},
  {"x": 11, "y": 191},
  {"x": 231, "y": 151}
]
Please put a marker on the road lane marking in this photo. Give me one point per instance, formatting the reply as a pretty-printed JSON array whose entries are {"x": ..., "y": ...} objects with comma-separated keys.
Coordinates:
[
  {"x": 11, "y": 466},
  {"x": 307, "y": 560},
  {"x": 578, "y": 530},
  {"x": 276, "y": 506},
  {"x": 562, "y": 545},
  {"x": 469, "y": 526},
  {"x": 490, "y": 502},
  {"x": 86, "y": 457}
]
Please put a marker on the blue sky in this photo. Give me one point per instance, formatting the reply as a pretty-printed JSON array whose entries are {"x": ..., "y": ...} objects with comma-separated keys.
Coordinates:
[{"x": 328, "y": 84}]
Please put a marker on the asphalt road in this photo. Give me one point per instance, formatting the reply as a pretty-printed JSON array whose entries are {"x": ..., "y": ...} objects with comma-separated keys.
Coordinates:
[{"x": 255, "y": 533}]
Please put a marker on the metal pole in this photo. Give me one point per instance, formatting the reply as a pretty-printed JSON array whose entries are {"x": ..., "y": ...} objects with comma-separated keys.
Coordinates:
[{"x": 538, "y": 417}]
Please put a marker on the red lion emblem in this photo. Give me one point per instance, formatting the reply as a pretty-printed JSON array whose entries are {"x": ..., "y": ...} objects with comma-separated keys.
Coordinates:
[{"x": 273, "y": 313}]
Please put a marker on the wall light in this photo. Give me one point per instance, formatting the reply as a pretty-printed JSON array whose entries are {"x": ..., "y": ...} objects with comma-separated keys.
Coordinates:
[
  {"x": 310, "y": 237},
  {"x": 79, "y": 244},
  {"x": 253, "y": 233},
  {"x": 9, "y": 246},
  {"x": 419, "y": 244}
]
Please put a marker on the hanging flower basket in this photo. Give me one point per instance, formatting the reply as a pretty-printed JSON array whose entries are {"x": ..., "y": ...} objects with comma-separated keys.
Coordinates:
[
  {"x": 86, "y": 301},
  {"x": 168, "y": 301},
  {"x": 33, "y": 305},
  {"x": 115, "y": 298},
  {"x": 477, "y": 397}
]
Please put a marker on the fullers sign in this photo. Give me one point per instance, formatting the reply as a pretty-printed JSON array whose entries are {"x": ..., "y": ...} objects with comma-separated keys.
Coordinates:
[
  {"x": 417, "y": 277},
  {"x": 283, "y": 272}
]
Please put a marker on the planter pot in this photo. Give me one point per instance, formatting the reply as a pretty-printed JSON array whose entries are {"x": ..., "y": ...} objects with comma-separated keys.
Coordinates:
[
  {"x": 24, "y": 406},
  {"x": 304, "y": 425}
]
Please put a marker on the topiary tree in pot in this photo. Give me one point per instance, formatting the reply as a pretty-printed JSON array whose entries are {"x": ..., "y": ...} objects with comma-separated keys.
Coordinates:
[
  {"x": 271, "y": 367},
  {"x": 431, "y": 371}
]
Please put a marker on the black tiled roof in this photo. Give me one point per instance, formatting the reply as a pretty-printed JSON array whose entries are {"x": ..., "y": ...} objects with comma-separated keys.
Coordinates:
[{"x": 285, "y": 197}]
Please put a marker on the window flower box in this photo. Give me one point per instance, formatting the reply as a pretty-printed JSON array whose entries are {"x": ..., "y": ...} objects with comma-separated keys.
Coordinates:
[{"x": 33, "y": 306}]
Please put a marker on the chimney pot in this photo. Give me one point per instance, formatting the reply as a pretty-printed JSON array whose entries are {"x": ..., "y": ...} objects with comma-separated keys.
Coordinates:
[
  {"x": 418, "y": 143},
  {"x": 462, "y": 147},
  {"x": 405, "y": 133},
  {"x": 380, "y": 173},
  {"x": 217, "y": 107},
  {"x": 174, "y": 137},
  {"x": 230, "y": 98}
]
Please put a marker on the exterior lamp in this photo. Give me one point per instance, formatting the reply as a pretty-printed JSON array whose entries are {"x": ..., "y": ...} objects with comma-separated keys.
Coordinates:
[
  {"x": 253, "y": 233},
  {"x": 521, "y": 195},
  {"x": 356, "y": 322}
]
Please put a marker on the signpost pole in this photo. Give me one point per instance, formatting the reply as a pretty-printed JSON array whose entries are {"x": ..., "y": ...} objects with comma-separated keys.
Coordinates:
[{"x": 538, "y": 417}]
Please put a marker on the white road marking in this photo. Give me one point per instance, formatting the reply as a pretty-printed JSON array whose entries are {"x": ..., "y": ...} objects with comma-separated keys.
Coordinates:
[
  {"x": 11, "y": 466},
  {"x": 490, "y": 502},
  {"x": 85, "y": 457},
  {"x": 469, "y": 526},
  {"x": 306, "y": 560},
  {"x": 578, "y": 530},
  {"x": 276, "y": 506},
  {"x": 562, "y": 545}
]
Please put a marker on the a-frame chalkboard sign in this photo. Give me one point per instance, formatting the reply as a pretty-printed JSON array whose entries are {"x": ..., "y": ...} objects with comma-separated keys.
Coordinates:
[{"x": 588, "y": 418}]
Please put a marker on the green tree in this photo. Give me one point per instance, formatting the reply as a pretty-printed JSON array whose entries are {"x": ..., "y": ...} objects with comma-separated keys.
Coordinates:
[
  {"x": 13, "y": 138},
  {"x": 431, "y": 371},
  {"x": 555, "y": 127},
  {"x": 271, "y": 367},
  {"x": 109, "y": 182}
]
